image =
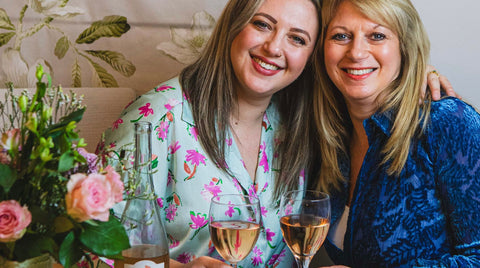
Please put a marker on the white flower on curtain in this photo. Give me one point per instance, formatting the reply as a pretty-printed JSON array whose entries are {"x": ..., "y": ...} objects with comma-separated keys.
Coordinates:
[
  {"x": 17, "y": 70},
  {"x": 186, "y": 44},
  {"x": 54, "y": 8}
]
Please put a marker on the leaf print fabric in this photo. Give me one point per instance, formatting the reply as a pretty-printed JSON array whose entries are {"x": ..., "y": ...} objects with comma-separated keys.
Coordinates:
[{"x": 186, "y": 179}]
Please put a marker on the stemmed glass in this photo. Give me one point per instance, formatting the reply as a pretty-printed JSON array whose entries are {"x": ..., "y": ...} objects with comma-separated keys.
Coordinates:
[
  {"x": 234, "y": 224},
  {"x": 304, "y": 220}
]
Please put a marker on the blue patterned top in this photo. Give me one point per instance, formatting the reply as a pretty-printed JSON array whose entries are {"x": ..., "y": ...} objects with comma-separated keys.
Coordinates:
[{"x": 430, "y": 215}]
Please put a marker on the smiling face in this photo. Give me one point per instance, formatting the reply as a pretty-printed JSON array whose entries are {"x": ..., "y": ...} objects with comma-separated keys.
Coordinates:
[
  {"x": 274, "y": 47},
  {"x": 362, "y": 57}
]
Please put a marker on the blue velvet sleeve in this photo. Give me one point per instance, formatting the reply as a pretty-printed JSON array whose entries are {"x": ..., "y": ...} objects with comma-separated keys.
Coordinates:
[{"x": 456, "y": 128}]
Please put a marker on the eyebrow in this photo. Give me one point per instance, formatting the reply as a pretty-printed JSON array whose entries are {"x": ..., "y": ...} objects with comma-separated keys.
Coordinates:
[{"x": 298, "y": 30}]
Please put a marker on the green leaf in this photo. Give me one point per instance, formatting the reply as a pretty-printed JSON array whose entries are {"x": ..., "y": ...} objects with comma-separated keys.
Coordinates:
[
  {"x": 109, "y": 26},
  {"x": 70, "y": 251},
  {"x": 116, "y": 60},
  {"x": 61, "y": 47},
  {"x": 5, "y": 37},
  {"x": 106, "y": 79},
  {"x": 8, "y": 176},
  {"x": 105, "y": 238},
  {"x": 5, "y": 22},
  {"x": 66, "y": 161},
  {"x": 75, "y": 116},
  {"x": 76, "y": 74}
]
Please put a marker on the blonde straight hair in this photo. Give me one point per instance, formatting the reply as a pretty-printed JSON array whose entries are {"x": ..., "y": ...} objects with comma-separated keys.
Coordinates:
[
  {"x": 208, "y": 83},
  {"x": 402, "y": 96}
]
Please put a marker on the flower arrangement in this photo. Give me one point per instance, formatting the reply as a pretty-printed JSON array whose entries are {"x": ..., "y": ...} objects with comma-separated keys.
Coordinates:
[{"x": 55, "y": 197}]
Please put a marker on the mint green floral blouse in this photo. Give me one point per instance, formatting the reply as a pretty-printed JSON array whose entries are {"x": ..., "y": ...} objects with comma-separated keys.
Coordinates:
[{"x": 185, "y": 178}]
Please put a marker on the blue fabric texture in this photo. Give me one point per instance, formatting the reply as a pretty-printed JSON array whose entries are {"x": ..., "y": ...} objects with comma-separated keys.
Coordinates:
[{"x": 429, "y": 216}]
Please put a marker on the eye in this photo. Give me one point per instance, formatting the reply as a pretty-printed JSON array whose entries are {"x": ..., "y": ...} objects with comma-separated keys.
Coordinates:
[
  {"x": 340, "y": 37},
  {"x": 378, "y": 36},
  {"x": 261, "y": 24},
  {"x": 298, "y": 40}
]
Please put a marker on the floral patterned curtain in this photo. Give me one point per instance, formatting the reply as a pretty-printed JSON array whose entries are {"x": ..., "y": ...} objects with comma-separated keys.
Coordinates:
[{"x": 108, "y": 43}]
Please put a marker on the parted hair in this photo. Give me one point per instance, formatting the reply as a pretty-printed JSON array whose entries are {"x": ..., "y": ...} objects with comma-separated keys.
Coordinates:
[
  {"x": 401, "y": 96},
  {"x": 209, "y": 85}
]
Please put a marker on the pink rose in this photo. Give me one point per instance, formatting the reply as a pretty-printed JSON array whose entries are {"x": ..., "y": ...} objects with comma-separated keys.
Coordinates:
[
  {"x": 116, "y": 183},
  {"x": 14, "y": 220},
  {"x": 92, "y": 196}
]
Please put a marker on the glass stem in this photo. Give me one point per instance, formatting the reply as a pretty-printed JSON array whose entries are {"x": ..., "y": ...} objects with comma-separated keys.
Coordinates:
[{"x": 303, "y": 262}]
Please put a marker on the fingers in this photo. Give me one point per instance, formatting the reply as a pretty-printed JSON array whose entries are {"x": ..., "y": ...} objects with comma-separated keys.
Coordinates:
[
  {"x": 433, "y": 80},
  {"x": 447, "y": 87}
]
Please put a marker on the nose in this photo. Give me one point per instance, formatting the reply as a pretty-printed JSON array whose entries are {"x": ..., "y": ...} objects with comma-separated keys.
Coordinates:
[
  {"x": 273, "y": 46},
  {"x": 358, "y": 49}
]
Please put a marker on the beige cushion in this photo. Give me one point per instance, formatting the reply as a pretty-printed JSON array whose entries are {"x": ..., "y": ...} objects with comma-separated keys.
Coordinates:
[{"x": 104, "y": 106}]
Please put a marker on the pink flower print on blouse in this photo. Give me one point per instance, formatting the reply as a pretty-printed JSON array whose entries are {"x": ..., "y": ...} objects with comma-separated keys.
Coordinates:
[
  {"x": 170, "y": 178},
  {"x": 266, "y": 123},
  {"x": 265, "y": 186},
  {"x": 213, "y": 188},
  {"x": 229, "y": 212},
  {"x": 145, "y": 111},
  {"x": 195, "y": 158},
  {"x": 257, "y": 256},
  {"x": 171, "y": 103},
  {"x": 171, "y": 212},
  {"x": 211, "y": 248},
  {"x": 199, "y": 221},
  {"x": 172, "y": 149},
  {"x": 185, "y": 257},
  {"x": 263, "y": 211},
  {"x": 172, "y": 241},
  {"x": 117, "y": 123},
  {"x": 237, "y": 184},
  {"x": 160, "y": 202},
  {"x": 163, "y": 88},
  {"x": 277, "y": 258},
  {"x": 270, "y": 235},
  {"x": 229, "y": 141},
  {"x": 252, "y": 190},
  {"x": 264, "y": 160},
  {"x": 193, "y": 132},
  {"x": 162, "y": 130}
]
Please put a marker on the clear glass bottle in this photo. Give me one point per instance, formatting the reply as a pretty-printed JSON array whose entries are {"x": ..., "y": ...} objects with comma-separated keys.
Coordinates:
[{"x": 141, "y": 216}]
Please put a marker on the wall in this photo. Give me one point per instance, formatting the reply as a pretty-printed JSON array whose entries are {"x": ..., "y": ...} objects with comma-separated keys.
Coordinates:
[{"x": 455, "y": 37}]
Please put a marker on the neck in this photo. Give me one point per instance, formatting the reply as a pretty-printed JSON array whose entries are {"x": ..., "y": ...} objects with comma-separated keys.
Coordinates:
[{"x": 249, "y": 112}]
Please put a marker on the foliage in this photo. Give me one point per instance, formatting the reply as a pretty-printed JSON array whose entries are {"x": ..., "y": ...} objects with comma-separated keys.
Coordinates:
[
  {"x": 42, "y": 166},
  {"x": 50, "y": 10}
]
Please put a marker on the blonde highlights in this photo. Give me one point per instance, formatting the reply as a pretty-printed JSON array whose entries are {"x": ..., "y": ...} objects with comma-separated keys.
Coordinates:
[{"x": 402, "y": 96}]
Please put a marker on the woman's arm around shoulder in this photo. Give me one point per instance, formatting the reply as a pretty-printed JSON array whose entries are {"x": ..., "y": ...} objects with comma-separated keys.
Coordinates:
[{"x": 456, "y": 128}]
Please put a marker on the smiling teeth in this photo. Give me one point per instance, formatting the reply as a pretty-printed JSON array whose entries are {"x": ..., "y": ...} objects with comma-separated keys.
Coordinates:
[
  {"x": 265, "y": 65},
  {"x": 359, "y": 72}
]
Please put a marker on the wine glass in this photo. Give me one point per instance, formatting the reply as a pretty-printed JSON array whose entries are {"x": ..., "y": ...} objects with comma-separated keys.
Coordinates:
[
  {"x": 304, "y": 220},
  {"x": 234, "y": 224}
]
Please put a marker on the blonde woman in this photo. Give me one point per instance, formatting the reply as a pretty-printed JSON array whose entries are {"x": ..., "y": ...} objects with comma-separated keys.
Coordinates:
[{"x": 404, "y": 178}]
